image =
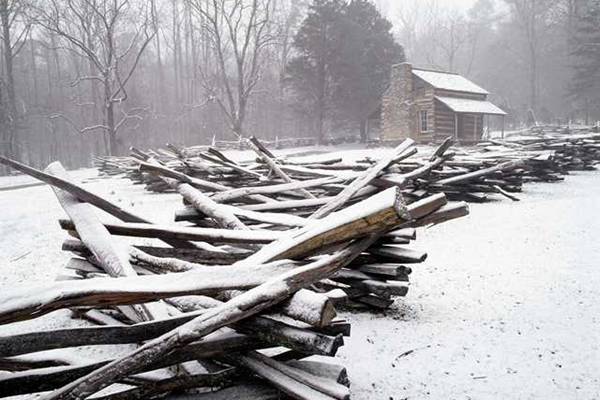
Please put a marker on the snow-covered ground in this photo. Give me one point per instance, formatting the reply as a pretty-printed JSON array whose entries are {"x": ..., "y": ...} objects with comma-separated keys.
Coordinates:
[{"x": 506, "y": 306}]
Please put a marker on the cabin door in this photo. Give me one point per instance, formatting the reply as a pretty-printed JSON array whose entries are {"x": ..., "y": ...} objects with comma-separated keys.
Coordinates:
[{"x": 460, "y": 126}]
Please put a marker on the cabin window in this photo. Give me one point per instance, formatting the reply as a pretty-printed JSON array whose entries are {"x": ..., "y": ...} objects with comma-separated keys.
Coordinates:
[{"x": 423, "y": 121}]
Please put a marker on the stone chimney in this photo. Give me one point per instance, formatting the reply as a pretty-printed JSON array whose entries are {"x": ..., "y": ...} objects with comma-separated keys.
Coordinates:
[{"x": 398, "y": 115}]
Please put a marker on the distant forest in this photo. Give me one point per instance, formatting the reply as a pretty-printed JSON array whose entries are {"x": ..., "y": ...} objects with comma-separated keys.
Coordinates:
[{"x": 81, "y": 78}]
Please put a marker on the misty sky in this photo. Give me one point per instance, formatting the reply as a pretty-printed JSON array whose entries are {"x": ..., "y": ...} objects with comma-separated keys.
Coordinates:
[{"x": 389, "y": 5}]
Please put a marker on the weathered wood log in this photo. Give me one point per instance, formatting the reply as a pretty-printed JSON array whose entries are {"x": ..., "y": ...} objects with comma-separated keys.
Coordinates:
[
  {"x": 268, "y": 159},
  {"x": 252, "y": 390},
  {"x": 197, "y": 255},
  {"x": 18, "y": 304},
  {"x": 374, "y": 301},
  {"x": 398, "y": 254},
  {"x": 178, "y": 383},
  {"x": 16, "y": 364},
  {"x": 287, "y": 204},
  {"x": 191, "y": 214},
  {"x": 196, "y": 234},
  {"x": 380, "y": 212},
  {"x": 361, "y": 181},
  {"x": 293, "y": 381},
  {"x": 444, "y": 214},
  {"x": 384, "y": 289},
  {"x": 193, "y": 181},
  {"x": 261, "y": 328},
  {"x": 84, "y": 195},
  {"x": 482, "y": 172},
  {"x": 406, "y": 233},
  {"x": 240, "y": 307},
  {"x": 388, "y": 270},
  {"x": 426, "y": 206},
  {"x": 315, "y": 309},
  {"x": 334, "y": 372},
  {"x": 273, "y": 189},
  {"x": 222, "y": 215},
  {"x": 45, "y": 379},
  {"x": 113, "y": 258},
  {"x": 309, "y": 307},
  {"x": 233, "y": 165}
]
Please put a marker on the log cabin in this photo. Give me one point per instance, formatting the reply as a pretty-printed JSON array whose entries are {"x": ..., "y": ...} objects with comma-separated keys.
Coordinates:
[{"x": 429, "y": 106}]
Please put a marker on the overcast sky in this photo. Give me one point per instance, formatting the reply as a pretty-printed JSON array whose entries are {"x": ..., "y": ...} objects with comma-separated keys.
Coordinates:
[{"x": 389, "y": 5}]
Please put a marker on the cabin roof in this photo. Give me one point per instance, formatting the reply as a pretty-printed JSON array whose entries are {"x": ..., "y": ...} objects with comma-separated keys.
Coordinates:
[
  {"x": 448, "y": 81},
  {"x": 470, "y": 106}
]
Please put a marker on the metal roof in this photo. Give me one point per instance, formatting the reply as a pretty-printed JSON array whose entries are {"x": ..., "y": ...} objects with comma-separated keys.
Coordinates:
[
  {"x": 448, "y": 81},
  {"x": 470, "y": 106}
]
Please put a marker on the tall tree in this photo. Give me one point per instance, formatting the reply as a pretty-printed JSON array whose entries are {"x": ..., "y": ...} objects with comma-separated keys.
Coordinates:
[
  {"x": 112, "y": 36},
  {"x": 585, "y": 83},
  {"x": 344, "y": 54},
  {"x": 531, "y": 17},
  {"x": 239, "y": 32},
  {"x": 366, "y": 56},
  {"x": 316, "y": 49},
  {"x": 14, "y": 31}
]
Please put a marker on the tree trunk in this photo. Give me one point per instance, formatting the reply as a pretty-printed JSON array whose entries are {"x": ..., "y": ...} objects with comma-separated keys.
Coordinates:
[
  {"x": 11, "y": 109},
  {"x": 363, "y": 131}
]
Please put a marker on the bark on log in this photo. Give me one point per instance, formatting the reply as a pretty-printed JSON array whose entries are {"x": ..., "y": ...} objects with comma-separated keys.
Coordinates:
[
  {"x": 196, "y": 234},
  {"x": 113, "y": 258},
  {"x": 243, "y": 306},
  {"x": 178, "y": 383},
  {"x": 268, "y": 159},
  {"x": 293, "y": 381},
  {"x": 45, "y": 379},
  {"x": 192, "y": 214},
  {"x": 381, "y": 212},
  {"x": 361, "y": 181},
  {"x": 444, "y": 214},
  {"x": 17, "y": 304},
  {"x": 398, "y": 254},
  {"x": 482, "y": 172},
  {"x": 197, "y": 255},
  {"x": 195, "y": 182},
  {"x": 273, "y": 189}
]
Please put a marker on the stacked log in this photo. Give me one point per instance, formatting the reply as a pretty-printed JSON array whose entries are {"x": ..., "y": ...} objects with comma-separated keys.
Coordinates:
[
  {"x": 473, "y": 174},
  {"x": 231, "y": 306}
]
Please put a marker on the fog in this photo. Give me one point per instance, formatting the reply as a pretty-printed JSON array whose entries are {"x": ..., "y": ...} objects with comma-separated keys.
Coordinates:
[{"x": 87, "y": 78}]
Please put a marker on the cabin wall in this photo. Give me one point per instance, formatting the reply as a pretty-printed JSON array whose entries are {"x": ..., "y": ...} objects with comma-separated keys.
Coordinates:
[
  {"x": 460, "y": 95},
  {"x": 470, "y": 127},
  {"x": 469, "y": 130},
  {"x": 424, "y": 101},
  {"x": 444, "y": 120}
]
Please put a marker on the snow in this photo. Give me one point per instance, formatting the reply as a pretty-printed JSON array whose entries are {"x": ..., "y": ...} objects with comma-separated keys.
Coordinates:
[
  {"x": 448, "y": 81},
  {"x": 506, "y": 306},
  {"x": 470, "y": 106}
]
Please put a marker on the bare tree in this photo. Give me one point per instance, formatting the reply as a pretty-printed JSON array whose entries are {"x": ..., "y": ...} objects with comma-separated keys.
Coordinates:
[
  {"x": 239, "y": 31},
  {"x": 452, "y": 35},
  {"x": 107, "y": 34},
  {"x": 15, "y": 29},
  {"x": 531, "y": 18}
]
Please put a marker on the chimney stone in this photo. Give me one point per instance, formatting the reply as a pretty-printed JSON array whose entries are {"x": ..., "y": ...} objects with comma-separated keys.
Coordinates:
[{"x": 398, "y": 107}]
